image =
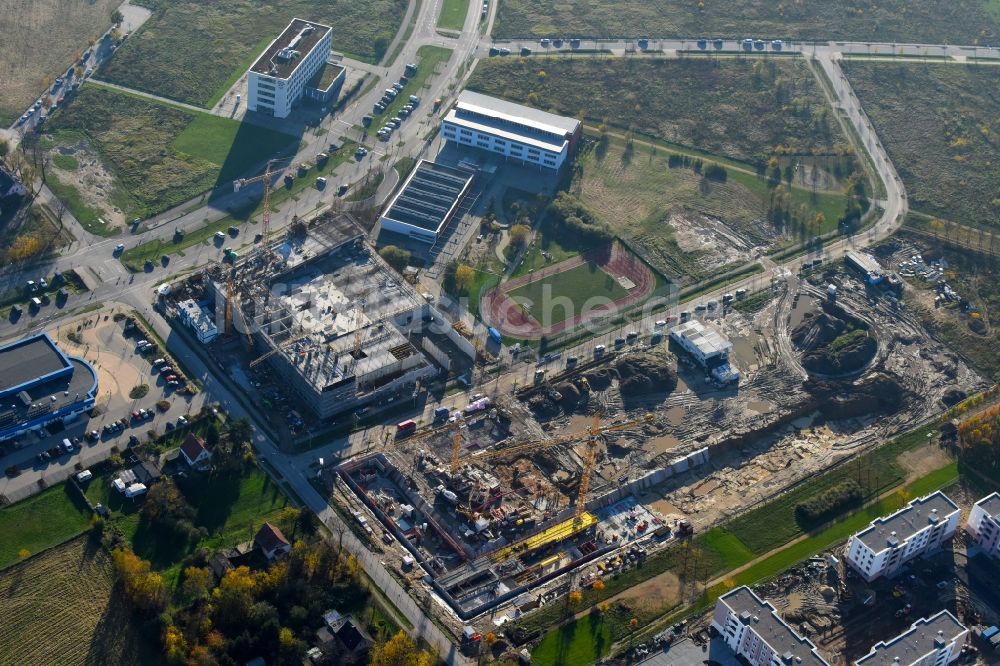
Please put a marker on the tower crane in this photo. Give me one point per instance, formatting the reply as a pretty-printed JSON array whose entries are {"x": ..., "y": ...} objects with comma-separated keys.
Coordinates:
[
  {"x": 591, "y": 435},
  {"x": 265, "y": 218}
]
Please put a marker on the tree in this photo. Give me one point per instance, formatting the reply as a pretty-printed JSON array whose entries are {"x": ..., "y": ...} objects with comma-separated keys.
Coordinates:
[
  {"x": 117, "y": 18},
  {"x": 240, "y": 431},
  {"x": 234, "y": 597},
  {"x": 4, "y": 147},
  {"x": 174, "y": 645},
  {"x": 212, "y": 435},
  {"x": 519, "y": 234},
  {"x": 197, "y": 581},
  {"x": 464, "y": 275},
  {"x": 396, "y": 257},
  {"x": 575, "y": 597},
  {"x": 143, "y": 588},
  {"x": 400, "y": 650},
  {"x": 598, "y": 585}
]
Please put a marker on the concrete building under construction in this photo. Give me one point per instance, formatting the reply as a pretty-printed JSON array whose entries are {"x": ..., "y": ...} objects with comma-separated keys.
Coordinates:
[{"x": 332, "y": 319}]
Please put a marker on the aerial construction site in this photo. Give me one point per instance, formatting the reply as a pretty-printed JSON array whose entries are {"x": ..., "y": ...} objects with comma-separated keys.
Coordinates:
[
  {"x": 571, "y": 466},
  {"x": 507, "y": 502}
]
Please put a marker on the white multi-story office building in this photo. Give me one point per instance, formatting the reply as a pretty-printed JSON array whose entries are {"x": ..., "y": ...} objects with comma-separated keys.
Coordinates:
[
  {"x": 752, "y": 628},
  {"x": 984, "y": 524},
  {"x": 512, "y": 130},
  {"x": 892, "y": 541},
  {"x": 279, "y": 77},
  {"x": 930, "y": 641}
]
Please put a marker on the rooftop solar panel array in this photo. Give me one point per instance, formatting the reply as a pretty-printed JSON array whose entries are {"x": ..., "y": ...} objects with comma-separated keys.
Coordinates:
[{"x": 428, "y": 196}]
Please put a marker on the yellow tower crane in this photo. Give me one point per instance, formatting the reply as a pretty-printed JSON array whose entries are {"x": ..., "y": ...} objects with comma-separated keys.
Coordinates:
[{"x": 265, "y": 218}]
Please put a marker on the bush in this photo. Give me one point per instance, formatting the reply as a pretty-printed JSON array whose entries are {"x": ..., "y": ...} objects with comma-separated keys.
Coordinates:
[
  {"x": 139, "y": 391},
  {"x": 163, "y": 405},
  {"x": 716, "y": 172},
  {"x": 829, "y": 503}
]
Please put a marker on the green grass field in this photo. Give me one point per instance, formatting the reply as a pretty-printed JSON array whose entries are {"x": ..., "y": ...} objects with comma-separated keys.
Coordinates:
[
  {"x": 637, "y": 194},
  {"x": 939, "y": 125},
  {"x": 135, "y": 258},
  {"x": 922, "y": 21},
  {"x": 742, "y": 109},
  {"x": 453, "y": 13},
  {"x": 547, "y": 298},
  {"x": 194, "y": 51},
  {"x": 39, "y": 522},
  {"x": 159, "y": 155}
]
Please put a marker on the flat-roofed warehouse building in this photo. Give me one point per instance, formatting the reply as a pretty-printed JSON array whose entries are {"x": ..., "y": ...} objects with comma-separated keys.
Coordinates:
[
  {"x": 892, "y": 541},
  {"x": 930, "y": 641},
  {"x": 425, "y": 204},
  {"x": 512, "y": 130},
  {"x": 40, "y": 384},
  {"x": 279, "y": 77},
  {"x": 709, "y": 348}
]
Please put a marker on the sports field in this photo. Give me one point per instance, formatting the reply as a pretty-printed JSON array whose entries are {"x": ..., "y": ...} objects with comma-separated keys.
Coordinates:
[
  {"x": 569, "y": 293},
  {"x": 563, "y": 295}
]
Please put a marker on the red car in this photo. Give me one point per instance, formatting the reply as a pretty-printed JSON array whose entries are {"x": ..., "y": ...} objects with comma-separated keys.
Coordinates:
[
  {"x": 136, "y": 416},
  {"x": 171, "y": 378}
]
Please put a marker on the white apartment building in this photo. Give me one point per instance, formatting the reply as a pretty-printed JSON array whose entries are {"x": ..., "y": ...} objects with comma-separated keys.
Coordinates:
[
  {"x": 892, "y": 541},
  {"x": 512, "y": 130},
  {"x": 752, "y": 628},
  {"x": 984, "y": 524},
  {"x": 199, "y": 320},
  {"x": 279, "y": 77},
  {"x": 930, "y": 641}
]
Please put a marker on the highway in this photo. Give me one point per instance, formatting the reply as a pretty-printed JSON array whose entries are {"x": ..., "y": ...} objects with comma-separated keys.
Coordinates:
[{"x": 113, "y": 283}]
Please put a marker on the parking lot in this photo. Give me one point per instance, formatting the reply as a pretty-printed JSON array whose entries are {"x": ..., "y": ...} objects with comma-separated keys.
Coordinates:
[{"x": 122, "y": 365}]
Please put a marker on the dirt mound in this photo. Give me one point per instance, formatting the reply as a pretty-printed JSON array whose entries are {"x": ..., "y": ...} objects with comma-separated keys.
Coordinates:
[
  {"x": 645, "y": 374},
  {"x": 877, "y": 393},
  {"x": 953, "y": 396},
  {"x": 817, "y": 330},
  {"x": 833, "y": 343}
]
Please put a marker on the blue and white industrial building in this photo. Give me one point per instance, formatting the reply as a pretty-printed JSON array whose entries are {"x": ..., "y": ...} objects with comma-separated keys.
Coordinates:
[
  {"x": 40, "y": 385},
  {"x": 281, "y": 75},
  {"x": 515, "y": 131}
]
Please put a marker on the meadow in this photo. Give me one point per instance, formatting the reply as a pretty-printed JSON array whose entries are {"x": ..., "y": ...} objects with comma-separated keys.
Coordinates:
[
  {"x": 922, "y": 21},
  {"x": 195, "y": 51}
]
